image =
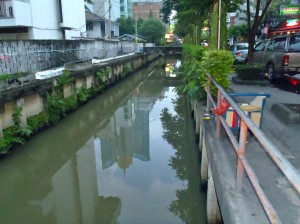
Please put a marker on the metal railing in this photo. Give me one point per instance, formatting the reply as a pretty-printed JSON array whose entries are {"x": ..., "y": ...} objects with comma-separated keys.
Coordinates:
[{"x": 240, "y": 148}]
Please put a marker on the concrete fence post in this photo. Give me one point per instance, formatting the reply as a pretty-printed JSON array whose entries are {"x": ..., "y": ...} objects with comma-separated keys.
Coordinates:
[
  {"x": 204, "y": 164},
  {"x": 1, "y": 129},
  {"x": 23, "y": 118},
  {"x": 213, "y": 210}
]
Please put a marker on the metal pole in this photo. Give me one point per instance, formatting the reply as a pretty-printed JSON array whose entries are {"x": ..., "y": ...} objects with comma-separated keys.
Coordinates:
[
  {"x": 136, "y": 39},
  {"x": 109, "y": 19},
  {"x": 219, "y": 23}
]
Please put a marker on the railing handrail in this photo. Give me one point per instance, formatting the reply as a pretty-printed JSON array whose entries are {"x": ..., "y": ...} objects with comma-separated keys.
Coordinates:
[{"x": 246, "y": 123}]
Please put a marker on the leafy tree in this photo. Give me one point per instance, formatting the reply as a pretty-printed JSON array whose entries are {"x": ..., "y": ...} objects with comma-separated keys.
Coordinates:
[
  {"x": 239, "y": 31},
  {"x": 191, "y": 15},
  {"x": 153, "y": 30},
  {"x": 273, "y": 11},
  {"x": 254, "y": 21},
  {"x": 127, "y": 25}
]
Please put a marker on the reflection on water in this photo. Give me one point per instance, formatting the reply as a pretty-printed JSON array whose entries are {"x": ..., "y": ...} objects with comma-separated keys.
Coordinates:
[
  {"x": 126, "y": 157},
  {"x": 171, "y": 67}
]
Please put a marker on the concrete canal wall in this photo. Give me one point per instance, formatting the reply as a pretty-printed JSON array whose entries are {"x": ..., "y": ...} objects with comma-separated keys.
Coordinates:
[
  {"x": 43, "y": 102},
  {"x": 30, "y": 56}
]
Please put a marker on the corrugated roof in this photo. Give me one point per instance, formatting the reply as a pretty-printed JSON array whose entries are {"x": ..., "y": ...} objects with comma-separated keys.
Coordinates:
[{"x": 89, "y": 16}]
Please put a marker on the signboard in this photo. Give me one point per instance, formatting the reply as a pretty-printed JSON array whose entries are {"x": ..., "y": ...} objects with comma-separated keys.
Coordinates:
[{"x": 289, "y": 10}]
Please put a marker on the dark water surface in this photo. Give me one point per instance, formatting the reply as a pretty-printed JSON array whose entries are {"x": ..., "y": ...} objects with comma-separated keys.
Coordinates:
[{"x": 128, "y": 156}]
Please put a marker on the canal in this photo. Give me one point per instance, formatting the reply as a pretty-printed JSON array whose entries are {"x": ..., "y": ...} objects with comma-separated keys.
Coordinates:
[{"x": 128, "y": 156}]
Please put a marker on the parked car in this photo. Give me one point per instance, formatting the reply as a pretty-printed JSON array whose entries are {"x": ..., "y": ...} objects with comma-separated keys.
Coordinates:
[
  {"x": 240, "y": 52},
  {"x": 279, "y": 56}
]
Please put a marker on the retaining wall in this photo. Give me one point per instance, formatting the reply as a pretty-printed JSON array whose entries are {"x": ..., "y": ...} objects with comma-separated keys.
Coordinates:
[
  {"x": 36, "y": 55},
  {"x": 32, "y": 97}
]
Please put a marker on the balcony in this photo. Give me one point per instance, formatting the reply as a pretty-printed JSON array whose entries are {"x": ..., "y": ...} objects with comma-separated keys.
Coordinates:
[{"x": 15, "y": 13}]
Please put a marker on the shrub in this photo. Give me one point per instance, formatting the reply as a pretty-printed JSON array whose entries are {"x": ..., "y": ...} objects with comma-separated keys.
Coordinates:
[
  {"x": 249, "y": 72},
  {"x": 219, "y": 64},
  {"x": 55, "y": 107},
  {"x": 82, "y": 95},
  {"x": 198, "y": 61},
  {"x": 38, "y": 121},
  {"x": 192, "y": 56},
  {"x": 14, "y": 134}
]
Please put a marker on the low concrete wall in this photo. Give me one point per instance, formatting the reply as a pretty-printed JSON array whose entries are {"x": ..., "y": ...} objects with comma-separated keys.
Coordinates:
[
  {"x": 30, "y": 56},
  {"x": 32, "y": 97}
]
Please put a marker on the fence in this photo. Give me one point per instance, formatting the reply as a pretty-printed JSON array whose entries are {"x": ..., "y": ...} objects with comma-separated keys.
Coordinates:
[{"x": 239, "y": 146}]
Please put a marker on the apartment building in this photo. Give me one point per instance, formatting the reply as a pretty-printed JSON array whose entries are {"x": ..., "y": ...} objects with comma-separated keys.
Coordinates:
[
  {"x": 126, "y": 8},
  {"x": 41, "y": 19},
  {"x": 146, "y": 10},
  {"x": 101, "y": 18}
]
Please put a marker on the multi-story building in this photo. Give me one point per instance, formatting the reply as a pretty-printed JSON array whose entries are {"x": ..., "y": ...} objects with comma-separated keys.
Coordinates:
[
  {"x": 126, "y": 8},
  {"x": 146, "y": 10},
  {"x": 101, "y": 18},
  {"x": 41, "y": 19}
]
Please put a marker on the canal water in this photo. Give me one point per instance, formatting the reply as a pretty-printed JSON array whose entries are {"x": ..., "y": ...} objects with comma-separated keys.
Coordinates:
[{"x": 128, "y": 156}]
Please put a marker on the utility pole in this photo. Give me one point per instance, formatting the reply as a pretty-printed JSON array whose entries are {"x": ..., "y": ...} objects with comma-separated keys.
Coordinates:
[
  {"x": 136, "y": 39},
  {"x": 219, "y": 23},
  {"x": 109, "y": 19}
]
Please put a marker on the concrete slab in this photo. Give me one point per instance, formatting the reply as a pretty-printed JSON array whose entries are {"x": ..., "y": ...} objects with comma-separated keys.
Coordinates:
[{"x": 285, "y": 113}]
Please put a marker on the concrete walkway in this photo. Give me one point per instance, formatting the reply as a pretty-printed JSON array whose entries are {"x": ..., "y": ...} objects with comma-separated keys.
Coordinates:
[{"x": 286, "y": 137}]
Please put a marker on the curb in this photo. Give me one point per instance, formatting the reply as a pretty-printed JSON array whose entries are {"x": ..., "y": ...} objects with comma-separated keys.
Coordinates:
[
  {"x": 285, "y": 114},
  {"x": 236, "y": 80}
]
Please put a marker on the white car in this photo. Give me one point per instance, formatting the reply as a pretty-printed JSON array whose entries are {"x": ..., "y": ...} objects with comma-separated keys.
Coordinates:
[{"x": 240, "y": 52}]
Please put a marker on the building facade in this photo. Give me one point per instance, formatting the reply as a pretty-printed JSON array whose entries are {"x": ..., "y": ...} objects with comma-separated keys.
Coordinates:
[
  {"x": 101, "y": 18},
  {"x": 36, "y": 19},
  {"x": 144, "y": 10},
  {"x": 126, "y": 8}
]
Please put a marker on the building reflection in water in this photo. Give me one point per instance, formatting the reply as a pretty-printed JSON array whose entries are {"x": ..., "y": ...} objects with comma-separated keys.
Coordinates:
[
  {"x": 126, "y": 134},
  {"x": 61, "y": 183}
]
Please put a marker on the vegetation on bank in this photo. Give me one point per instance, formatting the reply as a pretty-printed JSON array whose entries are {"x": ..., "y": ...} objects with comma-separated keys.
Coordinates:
[
  {"x": 249, "y": 72},
  {"x": 12, "y": 76},
  {"x": 199, "y": 61},
  {"x": 57, "y": 106}
]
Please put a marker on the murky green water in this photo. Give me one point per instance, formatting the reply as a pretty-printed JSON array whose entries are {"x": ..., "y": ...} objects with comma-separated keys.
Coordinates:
[{"x": 128, "y": 156}]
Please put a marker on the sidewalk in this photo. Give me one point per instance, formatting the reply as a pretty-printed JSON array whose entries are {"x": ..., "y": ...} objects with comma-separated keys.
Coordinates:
[{"x": 286, "y": 136}]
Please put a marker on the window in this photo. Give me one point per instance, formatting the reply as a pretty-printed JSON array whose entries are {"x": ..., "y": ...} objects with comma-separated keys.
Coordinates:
[
  {"x": 279, "y": 44},
  {"x": 270, "y": 46},
  {"x": 260, "y": 46},
  {"x": 242, "y": 47},
  {"x": 89, "y": 26},
  {"x": 294, "y": 43}
]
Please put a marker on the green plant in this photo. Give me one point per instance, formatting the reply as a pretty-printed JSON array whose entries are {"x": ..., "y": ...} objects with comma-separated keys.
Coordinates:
[
  {"x": 38, "y": 121},
  {"x": 70, "y": 103},
  {"x": 219, "y": 64},
  {"x": 9, "y": 76},
  {"x": 126, "y": 70},
  {"x": 55, "y": 107},
  {"x": 103, "y": 74},
  {"x": 192, "y": 56},
  {"x": 82, "y": 95},
  {"x": 198, "y": 62},
  {"x": 15, "y": 134},
  {"x": 64, "y": 79},
  {"x": 249, "y": 72}
]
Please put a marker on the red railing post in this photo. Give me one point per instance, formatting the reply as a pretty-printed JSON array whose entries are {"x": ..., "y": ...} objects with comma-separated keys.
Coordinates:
[
  {"x": 207, "y": 97},
  {"x": 218, "y": 128},
  {"x": 240, "y": 154}
]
